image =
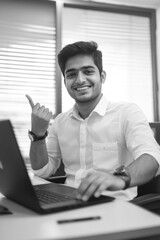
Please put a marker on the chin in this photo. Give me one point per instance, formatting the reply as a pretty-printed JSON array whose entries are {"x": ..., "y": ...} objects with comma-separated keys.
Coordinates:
[{"x": 84, "y": 99}]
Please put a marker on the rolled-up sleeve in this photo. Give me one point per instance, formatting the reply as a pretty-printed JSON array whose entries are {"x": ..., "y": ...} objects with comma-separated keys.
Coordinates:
[{"x": 139, "y": 135}]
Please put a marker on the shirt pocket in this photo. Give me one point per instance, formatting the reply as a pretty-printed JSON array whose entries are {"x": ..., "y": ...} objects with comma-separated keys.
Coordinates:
[{"x": 105, "y": 156}]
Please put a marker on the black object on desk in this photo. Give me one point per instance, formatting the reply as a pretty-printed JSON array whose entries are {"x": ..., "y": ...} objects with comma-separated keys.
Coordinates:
[
  {"x": 4, "y": 210},
  {"x": 79, "y": 219}
]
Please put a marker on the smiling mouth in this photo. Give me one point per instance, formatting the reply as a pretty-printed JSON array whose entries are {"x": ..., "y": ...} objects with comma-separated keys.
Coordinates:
[{"x": 82, "y": 88}]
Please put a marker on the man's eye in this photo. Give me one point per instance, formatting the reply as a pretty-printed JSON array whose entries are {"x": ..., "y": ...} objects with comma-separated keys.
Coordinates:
[
  {"x": 70, "y": 75},
  {"x": 89, "y": 72}
]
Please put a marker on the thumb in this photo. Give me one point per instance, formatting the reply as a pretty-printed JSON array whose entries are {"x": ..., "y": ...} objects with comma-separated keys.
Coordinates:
[{"x": 30, "y": 101}]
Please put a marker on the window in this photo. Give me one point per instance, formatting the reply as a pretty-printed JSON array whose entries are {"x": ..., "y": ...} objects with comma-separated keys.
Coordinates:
[
  {"x": 27, "y": 62},
  {"x": 125, "y": 42}
]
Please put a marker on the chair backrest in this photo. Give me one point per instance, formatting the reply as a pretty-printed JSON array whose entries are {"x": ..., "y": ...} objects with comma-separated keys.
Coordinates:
[
  {"x": 152, "y": 186},
  {"x": 60, "y": 171},
  {"x": 156, "y": 129}
]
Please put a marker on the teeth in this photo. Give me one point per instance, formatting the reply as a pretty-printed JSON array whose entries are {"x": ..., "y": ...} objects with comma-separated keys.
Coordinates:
[{"x": 82, "y": 88}]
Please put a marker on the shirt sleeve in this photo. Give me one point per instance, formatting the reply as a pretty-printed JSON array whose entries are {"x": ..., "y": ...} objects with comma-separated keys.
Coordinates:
[
  {"x": 54, "y": 154},
  {"x": 44, "y": 172},
  {"x": 138, "y": 134}
]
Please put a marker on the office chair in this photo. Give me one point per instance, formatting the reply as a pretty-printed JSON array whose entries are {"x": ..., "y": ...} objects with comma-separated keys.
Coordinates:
[
  {"x": 148, "y": 194},
  {"x": 59, "y": 176}
]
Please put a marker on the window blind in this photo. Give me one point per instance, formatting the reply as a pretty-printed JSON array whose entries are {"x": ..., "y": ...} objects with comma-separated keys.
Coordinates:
[
  {"x": 125, "y": 43},
  {"x": 27, "y": 62}
]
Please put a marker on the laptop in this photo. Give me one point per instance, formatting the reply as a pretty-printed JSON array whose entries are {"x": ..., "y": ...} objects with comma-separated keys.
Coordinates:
[{"x": 16, "y": 185}]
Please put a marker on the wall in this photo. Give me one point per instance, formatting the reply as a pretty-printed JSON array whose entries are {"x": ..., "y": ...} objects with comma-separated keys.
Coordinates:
[{"x": 158, "y": 50}]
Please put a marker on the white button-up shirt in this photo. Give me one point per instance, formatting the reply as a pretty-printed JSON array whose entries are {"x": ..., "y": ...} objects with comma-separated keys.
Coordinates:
[{"x": 114, "y": 134}]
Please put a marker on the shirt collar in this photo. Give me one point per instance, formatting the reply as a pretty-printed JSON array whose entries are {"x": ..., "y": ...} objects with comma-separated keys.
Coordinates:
[
  {"x": 101, "y": 106},
  {"x": 99, "y": 109}
]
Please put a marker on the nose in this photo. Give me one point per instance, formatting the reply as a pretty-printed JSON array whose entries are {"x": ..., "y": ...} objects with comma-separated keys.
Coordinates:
[{"x": 80, "y": 77}]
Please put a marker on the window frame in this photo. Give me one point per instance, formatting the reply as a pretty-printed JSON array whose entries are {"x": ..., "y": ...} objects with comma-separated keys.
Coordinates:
[{"x": 121, "y": 9}]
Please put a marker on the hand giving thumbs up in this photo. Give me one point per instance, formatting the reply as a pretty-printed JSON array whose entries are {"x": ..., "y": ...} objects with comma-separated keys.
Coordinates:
[{"x": 40, "y": 117}]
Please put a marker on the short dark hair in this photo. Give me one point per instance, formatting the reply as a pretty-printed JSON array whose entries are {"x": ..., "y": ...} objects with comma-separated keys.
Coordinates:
[{"x": 81, "y": 47}]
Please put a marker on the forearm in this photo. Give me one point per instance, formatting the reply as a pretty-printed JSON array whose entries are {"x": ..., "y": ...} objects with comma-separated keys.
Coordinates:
[
  {"x": 142, "y": 170},
  {"x": 40, "y": 118},
  {"x": 38, "y": 154}
]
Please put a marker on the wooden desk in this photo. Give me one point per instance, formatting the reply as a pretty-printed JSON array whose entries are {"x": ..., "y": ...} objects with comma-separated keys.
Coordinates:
[{"x": 119, "y": 220}]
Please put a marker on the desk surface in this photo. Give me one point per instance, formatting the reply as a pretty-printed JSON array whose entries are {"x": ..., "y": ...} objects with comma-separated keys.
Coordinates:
[{"x": 119, "y": 220}]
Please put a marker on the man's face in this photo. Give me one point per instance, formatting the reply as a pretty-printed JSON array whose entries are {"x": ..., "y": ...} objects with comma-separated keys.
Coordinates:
[{"x": 82, "y": 78}]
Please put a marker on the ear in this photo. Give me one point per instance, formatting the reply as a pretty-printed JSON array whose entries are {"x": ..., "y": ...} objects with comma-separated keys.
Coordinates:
[{"x": 103, "y": 76}]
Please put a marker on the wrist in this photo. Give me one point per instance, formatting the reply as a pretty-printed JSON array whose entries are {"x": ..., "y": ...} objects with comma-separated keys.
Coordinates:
[
  {"x": 122, "y": 173},
  {"x": 34, "y": 137},
  {"x": 38, "y": 134}
]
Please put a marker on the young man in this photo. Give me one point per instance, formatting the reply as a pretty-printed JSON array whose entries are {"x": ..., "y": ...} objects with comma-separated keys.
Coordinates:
[{"x": 104, "y": 146}]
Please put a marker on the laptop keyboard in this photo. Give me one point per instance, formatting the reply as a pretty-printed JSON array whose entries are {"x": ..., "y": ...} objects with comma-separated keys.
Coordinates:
[{"x": 47, "y": 197}]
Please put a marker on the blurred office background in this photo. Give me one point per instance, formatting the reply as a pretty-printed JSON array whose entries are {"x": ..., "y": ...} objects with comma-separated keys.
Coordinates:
[{"x": 33, "y": 32}]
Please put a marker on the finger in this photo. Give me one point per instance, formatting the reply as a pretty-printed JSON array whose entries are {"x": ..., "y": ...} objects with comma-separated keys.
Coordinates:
[
  {"x": 41, "y": 111},
  {"x": 48, "y": 116},
  {"x": 87, "y": 187},
  {"x": 92, "y": 189},
  {"x": 102, "y": 187},
  {"x": 89, "y": 191},
  {"x": 84, "y": 185},
  {"x": 30, "y": 101},
  {"x": 44, "y": 112},
  {"x": 36, "y": 107}
]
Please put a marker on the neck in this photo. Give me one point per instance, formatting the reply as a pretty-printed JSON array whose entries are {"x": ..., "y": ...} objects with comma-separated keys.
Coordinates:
[{"x": 85, "y": 108}]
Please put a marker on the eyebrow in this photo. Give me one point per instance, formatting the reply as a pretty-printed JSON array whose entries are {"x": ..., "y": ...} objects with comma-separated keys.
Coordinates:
[{"x": 82, "y": 68}]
